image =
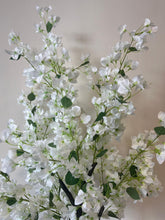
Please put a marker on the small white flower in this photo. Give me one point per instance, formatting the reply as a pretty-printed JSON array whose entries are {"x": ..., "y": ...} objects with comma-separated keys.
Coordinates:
[
  {"x": 5, "y": 134},
  {"x": 105, "y": 61},
  {"x": 79, "y": 198},
  {"x": 86, "y": 207},
  {"x": 65, "y": 53},
  {"x": 122, "y": 29},
  {"x": 8, "y": 165},
  {"x": 147, "y": 22},
  {"x": 154, "y": 29},
  {"x": 160, "y": 156},
  {"x": 161, "y": 117},
  {"x": 94, "y": 69},
  {"x": 85, "y": 118},
  {"x": 139, "y": 82},
  {"x": 123, "y": 86},
  {"x": 134, "y": 65},
  {"x": 76, "y": 111},
  {"x": 13, "y": 38}
]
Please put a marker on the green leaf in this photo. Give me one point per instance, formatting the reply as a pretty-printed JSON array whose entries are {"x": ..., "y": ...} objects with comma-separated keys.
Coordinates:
[
  {"x": 95, "y": 137},
  {"x": 19, "y": 152},
  {"x": 133, "y": 171},
  {"x": 113, "y": 184},
  {"x": 121, "y": 72},
  {"x": 112, "y": 214},
  {"x": 132, "y": 192},
  {"x": 101, "y": 153},
  {"x": 57, "y": 217},
  {"x": 160, "y": 130},
  {"x": 85, "y": 63},
  {"x": 58, "y": 76},
  {"x": 100, "y": 116},
  {"x": 5, "y": 175},
  {"x": 19, "y": 56},
  {"x": 120, "y": 175},
  {"x": 52, "y": 145},
  {"x": 73, "y": 153},
  {"x": 132, "y": 49},
  {"x": 32, "y": 123},
  {"x": 34, "y": 109},
  {"x": 121, "y": 99},
  {"x": 51, "y": 196},
  {"x": 36, "y": 216},
  {"x": 11, "y": 201},
  {"x": 31, "y": 170},
  {"x": 66, "y": 102},
  {"x": 49, "y": 26},
  {"x": 31, "y": 97},
  {"x": 98, "y": 86},
  {"x": 70, "y": 179},
  {"x": 84, "y": 186},
  {"x": 106, "y": 190}
]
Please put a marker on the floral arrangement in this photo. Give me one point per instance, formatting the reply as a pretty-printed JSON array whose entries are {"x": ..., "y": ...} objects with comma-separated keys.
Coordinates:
[{"x": 72, "y": 169}]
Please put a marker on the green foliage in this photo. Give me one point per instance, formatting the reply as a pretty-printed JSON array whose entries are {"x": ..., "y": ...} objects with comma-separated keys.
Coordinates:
[
  {"x": 83, "y": 185},
  {"x": 5, "y": 175},
  {"x": 101, "y": 153},
  {"x": 112, "y": 214},
  {"x": 31, "y": 170},
  {"x": 70, "y": 179},
  {"x": 36, "y": 216},
  {"x": 100, "y": 116},
  {"x": 51, "y": 196},
  {"x": 121, "y": 99},
  {"x": 95, "y": 137},
  {"x": 160, "y": 130},
  {"x": 73, "y": 154},
  {"x": 122, "y": 73},
  {"x": 106, "y": 190},
  {"x": 34, "y": 109},
  {"x": 19, "y": 56},
  {"x": 32, "y": 123},
  {"x": 66, "y": 102},
  {"x": 85, "y": 63},
  {"x": 19, "y": 152},
  {"x": 49, "y": 26},
  {"x": 56, "y": 217},
  {"x": 52, "y": 145},
  {"x": 11, "y": 201},
  {"x": 132, "y": 192},
  {"x": 31, "y": 97},
  {"x": 132, "y": 49},
  {"x": 133, "y": 171}
]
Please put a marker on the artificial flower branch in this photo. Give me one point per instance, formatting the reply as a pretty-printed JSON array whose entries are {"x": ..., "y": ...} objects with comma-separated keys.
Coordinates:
[{"x": 72, "y": 169}]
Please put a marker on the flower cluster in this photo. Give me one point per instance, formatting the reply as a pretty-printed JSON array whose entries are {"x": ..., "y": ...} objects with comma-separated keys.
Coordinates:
[{"x": 72, "y": 169}]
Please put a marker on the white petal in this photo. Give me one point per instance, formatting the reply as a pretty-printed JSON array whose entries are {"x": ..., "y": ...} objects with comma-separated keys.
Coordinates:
[
  {"x": 160, "y": 157},
  {"x": 147, "y": 22},
  {"x": 85, "y": 118}
]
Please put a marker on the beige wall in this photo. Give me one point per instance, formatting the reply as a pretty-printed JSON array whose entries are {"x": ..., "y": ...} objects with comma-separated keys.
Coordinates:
[{"x": 90, "y": 26}]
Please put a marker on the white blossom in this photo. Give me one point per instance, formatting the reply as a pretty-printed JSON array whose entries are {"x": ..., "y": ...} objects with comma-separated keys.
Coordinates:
[
  {"x": 161, "y": 117},
  {"x": 123, "y": 86},
  {"x": 160, "y": 156},
  {"x": 85, "y": 118},
  {"x": 70, "y": 164}
]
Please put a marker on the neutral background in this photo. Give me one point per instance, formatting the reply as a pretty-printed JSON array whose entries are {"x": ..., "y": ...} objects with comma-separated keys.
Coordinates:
[{"x": 91, "y": 26}]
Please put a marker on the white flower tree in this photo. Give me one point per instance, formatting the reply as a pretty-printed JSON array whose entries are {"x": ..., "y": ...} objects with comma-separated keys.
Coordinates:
[{"x": 73, "y": 171}]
